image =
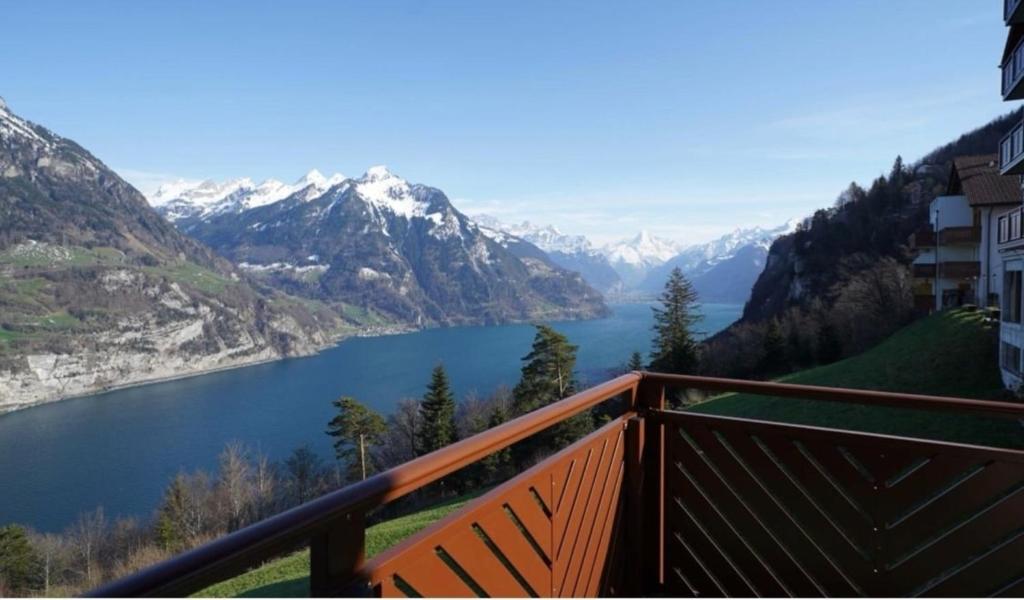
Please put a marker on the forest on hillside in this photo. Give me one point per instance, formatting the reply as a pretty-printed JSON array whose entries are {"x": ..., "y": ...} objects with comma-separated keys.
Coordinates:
[{"x": 841, "y": 282}]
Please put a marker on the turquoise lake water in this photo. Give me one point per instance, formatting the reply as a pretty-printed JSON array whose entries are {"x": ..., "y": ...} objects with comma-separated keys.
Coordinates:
[{"x": 119, "y": 449}]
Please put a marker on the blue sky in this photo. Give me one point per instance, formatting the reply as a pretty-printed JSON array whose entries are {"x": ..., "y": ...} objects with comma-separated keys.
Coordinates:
[{"x": 687, "y": 118}]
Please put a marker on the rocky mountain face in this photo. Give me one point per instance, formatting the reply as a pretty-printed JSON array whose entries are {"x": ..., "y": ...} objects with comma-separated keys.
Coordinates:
[
  {"x": 98, "y": 290},
  {"x": 724, "y": 269},
  {"x": 572, "y": 252},
  {"x": 381, "y": 244}
]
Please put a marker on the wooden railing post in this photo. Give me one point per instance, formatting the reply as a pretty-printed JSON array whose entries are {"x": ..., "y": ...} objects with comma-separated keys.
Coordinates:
[
  {"x": 335, "y": 555},
  {"x": 651, "y": 549}
]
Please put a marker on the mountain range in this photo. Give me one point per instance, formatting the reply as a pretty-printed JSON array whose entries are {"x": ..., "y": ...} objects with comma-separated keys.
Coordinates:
[
  {"x": 98, "y": 290},
  {"x": 378, "y": 244},
  {"x": 722, "y": 270}
]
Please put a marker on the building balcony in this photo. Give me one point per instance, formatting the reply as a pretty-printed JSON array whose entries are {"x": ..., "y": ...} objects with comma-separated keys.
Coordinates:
[
  {"x": 923, "y": 271},
  {"x": 960, "y": 236},
  {"x": 1008, "y": 228},
  {"x": 1013, "y": 72},
  {"x": 921, "y": 239},
  {"x": 959, "y": 269},
  {"x": 667, "y": 502},
  {"x": 1011, "y": 151},
  {"x": 1013, "y": 12}
]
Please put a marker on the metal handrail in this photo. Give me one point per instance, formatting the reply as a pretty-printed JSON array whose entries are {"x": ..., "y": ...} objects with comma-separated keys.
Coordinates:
[
  {"x": 245, "y": 548},
  {"x": 343, "y": 509}
]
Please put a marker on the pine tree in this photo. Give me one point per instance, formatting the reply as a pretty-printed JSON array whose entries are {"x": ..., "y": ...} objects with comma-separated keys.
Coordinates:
[
  {"x": 675, "y": 350},
  {"x": 19, "y": 562},
  {"x": 636, "y": 362},
  {"x": 355, "y": 428},
  {"x": 548, "y": 376},
  {"x": 438, "y": 428},
  {"x": 498, "y": 465},
  {"x": 774, "y": 360}
]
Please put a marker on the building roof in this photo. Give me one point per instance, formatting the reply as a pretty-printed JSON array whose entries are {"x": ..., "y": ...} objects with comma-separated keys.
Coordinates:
[{"x": 978, "y": 178}]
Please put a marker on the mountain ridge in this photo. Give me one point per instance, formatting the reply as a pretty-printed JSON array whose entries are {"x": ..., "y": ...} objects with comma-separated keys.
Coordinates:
[
  {"x": 401, "y": 249},
  {"x": 97, "y": 290}
]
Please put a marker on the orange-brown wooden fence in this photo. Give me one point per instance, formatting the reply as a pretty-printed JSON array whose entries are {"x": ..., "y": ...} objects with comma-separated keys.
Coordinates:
[{"x": 663, "y": 502}]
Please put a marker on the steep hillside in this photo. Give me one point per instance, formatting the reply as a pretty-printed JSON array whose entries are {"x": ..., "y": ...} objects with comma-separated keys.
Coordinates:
[
  {"x": 399, "y": 249},
  {"x": 97, "y": 290},
  {"x": 874, "y": 222},
  {"x": 917, "y": 359},
  {"x": 841, "y": 282}
]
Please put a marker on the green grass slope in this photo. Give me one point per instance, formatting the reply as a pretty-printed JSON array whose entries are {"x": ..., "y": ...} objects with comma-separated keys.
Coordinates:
[
  {"x": 953, "y": 353},
  {"x": 289, "y": 576}
]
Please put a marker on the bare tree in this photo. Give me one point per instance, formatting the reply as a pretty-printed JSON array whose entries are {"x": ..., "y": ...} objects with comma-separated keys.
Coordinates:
[
  {"x": 234, "y": 484},
  {"x": 87, "y": 535}
]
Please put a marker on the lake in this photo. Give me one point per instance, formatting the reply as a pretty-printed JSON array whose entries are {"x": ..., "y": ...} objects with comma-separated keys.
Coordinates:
[{"x": 119, "y": 449}]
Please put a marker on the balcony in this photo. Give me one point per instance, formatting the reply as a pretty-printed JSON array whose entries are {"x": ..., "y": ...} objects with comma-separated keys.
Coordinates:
[
  {"x": 923, "y": 271},
  {"x": 960, "y": 236},
  {"x": 1011, "y": 151},
  {"x": 662, "y": 502},
  {"x": 1008, "y": 228},
  {"x": 1012, "y": 12},
  {"x": 921, "y": 239},
  {"x": 1013, "y": 72},
  {"x": 959, "y": 269}
]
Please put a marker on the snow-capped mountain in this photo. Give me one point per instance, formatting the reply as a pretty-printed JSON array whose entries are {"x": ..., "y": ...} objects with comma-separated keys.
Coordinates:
[
  {"x": 400, "y": 249},
  {"x": 632, "y": 259},
  {"x": 182, "y": 201},
  {"x": 724, "y": 269},
  {"x": 698, "y": 258},
  {"x": 573, "y": 252}
]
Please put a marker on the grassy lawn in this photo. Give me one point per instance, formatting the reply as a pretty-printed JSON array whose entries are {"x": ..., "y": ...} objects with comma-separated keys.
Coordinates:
[
  {"x": 952, "y": 353},
  {"x": 289, "y": 576}
]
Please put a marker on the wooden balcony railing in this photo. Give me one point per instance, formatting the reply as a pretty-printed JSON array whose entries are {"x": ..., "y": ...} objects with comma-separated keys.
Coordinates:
[
  {"x": 921, "y": 239},
  {"x": 662, "y": 502},
  {"x": 959, "y": 269},
  {"x": 952, "y": 236},
  {"x": 1011, "y": 151},
  {"x": 923, "y": 271}
]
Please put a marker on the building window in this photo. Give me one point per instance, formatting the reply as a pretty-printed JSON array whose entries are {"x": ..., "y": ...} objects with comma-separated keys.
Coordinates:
[
  {"x": 1010, "y": 359},
  {"x": 1011, "y": 295},
  {"x": 1004, "y": 230}
]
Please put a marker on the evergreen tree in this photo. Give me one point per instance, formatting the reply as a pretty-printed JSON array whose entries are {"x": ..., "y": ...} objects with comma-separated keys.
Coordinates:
[
  {"x": 437, "y": 428},
  {"x": 675, "y": 350},
  {"x": 497, "y": 466},
  {"x": 830, "y": 344},
  {"x": 354, "y": 428},
  {"x": 19, "y": 562},
  {"x": 548, "y": 376},
  {"x": 774, "y": 360},
  {"x": 636, "y": 362}
]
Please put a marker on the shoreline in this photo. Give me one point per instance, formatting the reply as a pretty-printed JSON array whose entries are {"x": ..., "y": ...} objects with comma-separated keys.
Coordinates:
[{"x": 383, "y": 331}]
